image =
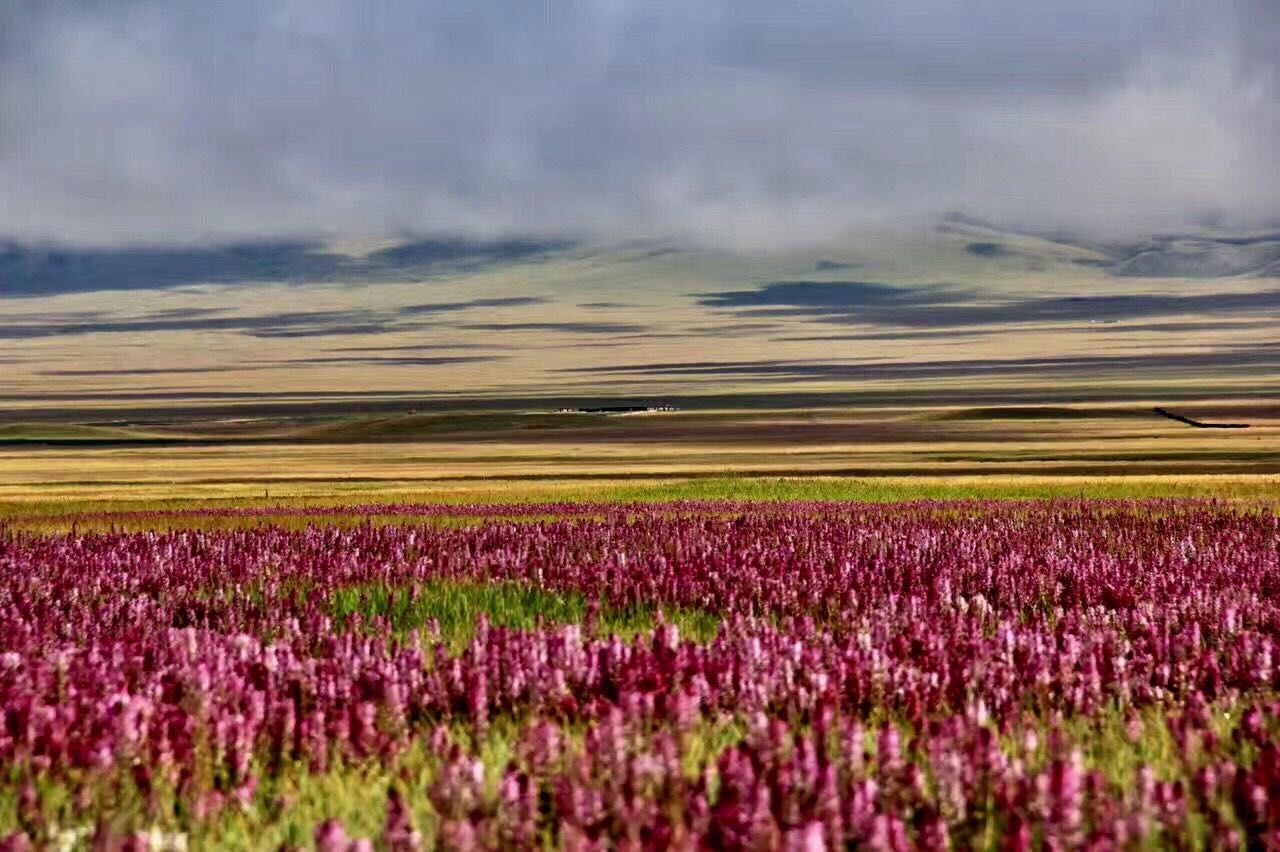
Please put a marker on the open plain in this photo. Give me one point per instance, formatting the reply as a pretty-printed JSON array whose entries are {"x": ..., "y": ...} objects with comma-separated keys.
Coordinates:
[{"x": 777, "y": 625}]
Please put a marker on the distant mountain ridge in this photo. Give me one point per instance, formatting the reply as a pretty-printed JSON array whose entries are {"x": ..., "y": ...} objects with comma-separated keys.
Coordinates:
[{"x": 1211, "y": 254}]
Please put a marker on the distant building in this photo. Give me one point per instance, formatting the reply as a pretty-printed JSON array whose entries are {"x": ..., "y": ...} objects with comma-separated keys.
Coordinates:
[{"x": 614, "y": 410}]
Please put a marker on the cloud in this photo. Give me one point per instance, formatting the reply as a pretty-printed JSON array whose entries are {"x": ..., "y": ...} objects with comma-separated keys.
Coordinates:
[
  {"x": 748, "y": 124},
  {"x": 1201, "y": 258}
]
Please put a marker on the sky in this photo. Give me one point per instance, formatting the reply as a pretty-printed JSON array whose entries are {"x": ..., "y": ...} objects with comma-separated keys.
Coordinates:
[
  {"x": 730, "y": 125},
  {"x": 515, "y": 197}
]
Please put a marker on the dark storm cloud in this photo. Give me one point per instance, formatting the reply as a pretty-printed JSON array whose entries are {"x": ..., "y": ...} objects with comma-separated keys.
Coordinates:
[
  {"x": 860, "y": 302},
  {"x": 752, "y": 123}
]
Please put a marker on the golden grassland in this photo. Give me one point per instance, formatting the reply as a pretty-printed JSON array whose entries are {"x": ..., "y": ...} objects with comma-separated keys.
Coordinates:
[
  {"x": 60, "y": 508},
  {"x": 835, "y": 454},
  {"x": 588, "y": 320}
]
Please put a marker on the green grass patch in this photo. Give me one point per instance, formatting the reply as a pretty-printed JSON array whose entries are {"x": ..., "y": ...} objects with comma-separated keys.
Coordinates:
[
  {"x": 49, "y": 514},
  {"x": 456, "y": 606}
]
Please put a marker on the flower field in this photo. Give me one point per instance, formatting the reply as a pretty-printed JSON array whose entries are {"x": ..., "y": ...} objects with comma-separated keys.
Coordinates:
[{"x": 803, "y": 676}]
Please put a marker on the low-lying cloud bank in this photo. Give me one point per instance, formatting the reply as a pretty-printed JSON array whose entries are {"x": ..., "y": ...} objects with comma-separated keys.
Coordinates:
[{"x": 754, "y": 123}]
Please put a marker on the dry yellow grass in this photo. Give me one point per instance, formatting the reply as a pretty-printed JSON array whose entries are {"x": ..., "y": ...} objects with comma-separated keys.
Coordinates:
[{"x": 797, "y": 454}]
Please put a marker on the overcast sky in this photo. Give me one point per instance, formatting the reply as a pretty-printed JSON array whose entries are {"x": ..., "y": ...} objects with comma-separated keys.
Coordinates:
[{"x": 128, "y": 122}]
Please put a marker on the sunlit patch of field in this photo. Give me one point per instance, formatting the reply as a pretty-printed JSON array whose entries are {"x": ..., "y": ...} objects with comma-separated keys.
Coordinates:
[
  {"x": 819, "y": 453},
  {"x": 58, "y": 508}
]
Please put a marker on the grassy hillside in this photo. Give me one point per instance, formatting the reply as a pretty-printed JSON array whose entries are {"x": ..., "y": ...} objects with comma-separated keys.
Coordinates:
[{"x": 415, "y": 427}]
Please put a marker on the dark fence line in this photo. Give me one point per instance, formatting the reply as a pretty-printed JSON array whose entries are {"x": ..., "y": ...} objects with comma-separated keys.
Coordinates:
[{"x": 1196, "y": 423}]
